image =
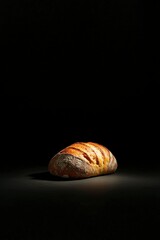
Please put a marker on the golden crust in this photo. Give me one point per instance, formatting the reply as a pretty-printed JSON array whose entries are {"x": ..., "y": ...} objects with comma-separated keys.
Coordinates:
[{"x": 83, "y": 159}]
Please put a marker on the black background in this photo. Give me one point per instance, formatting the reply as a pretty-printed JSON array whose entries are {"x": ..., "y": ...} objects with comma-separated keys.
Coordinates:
[{"x": 78, "y": 71}]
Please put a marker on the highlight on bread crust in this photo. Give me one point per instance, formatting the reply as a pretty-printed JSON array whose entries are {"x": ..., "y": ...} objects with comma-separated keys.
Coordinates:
[{"x": 82, "y": 160}]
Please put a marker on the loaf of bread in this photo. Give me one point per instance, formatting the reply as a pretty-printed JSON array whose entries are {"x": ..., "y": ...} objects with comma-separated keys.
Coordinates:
[{"x": 82, "y": 160}]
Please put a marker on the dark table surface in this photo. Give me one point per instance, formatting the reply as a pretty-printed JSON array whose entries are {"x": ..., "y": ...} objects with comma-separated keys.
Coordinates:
[{"x": 36, "y": 205}]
